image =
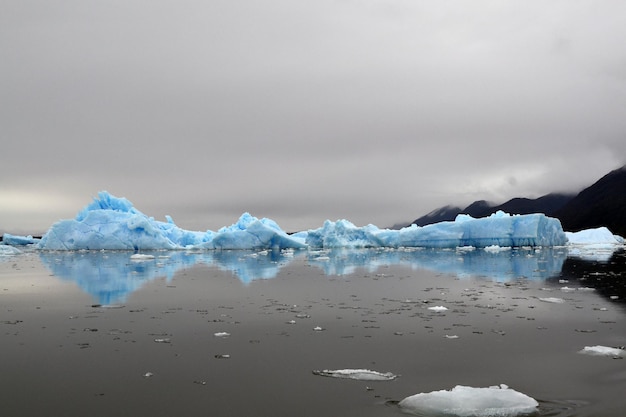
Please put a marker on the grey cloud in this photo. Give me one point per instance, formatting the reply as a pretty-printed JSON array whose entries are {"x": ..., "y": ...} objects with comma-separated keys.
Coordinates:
[{"x": 374, "y": 111}]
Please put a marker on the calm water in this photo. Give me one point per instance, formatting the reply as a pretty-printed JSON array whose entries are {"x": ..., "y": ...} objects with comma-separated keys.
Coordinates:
[{"x": 98, "y": 334}]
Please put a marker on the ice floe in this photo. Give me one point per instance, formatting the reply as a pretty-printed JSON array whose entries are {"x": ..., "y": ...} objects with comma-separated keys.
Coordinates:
[
  {"x": 464, "y": 401},
  {"x": 359, "y": 374},
  {"x": 599, "y": 350}
]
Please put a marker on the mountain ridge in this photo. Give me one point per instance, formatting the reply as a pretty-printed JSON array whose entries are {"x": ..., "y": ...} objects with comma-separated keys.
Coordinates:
[{"x": 601, "y": 204}]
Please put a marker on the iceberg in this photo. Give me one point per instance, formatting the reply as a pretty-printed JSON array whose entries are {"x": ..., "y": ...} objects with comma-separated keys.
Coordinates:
[
  {"x": 462, "y": 401},
  {"x": 15, "y": 240},
  {"x": 500, "y": 229},
  {"x": 593, "y": 244},
  {"x": 112, "y": 223}
]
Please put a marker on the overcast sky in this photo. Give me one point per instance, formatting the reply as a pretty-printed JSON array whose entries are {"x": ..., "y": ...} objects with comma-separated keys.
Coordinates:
[{"x": 376, "y": 111}]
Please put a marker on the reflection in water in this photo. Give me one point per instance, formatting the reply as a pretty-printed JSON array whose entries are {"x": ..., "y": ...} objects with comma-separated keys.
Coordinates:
[{"x": 109, "y": 277}]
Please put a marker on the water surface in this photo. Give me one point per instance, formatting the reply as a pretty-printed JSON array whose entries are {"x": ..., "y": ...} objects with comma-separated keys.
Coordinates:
[{"x": 99, "y": 334}]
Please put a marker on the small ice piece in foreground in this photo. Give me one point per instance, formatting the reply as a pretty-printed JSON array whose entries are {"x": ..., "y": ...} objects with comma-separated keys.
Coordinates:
[
  {"x": 163, "y": 340},
  {"x": 138, "y": 257},
  {"x": 148, "y": 374},
  {"x": 221, "y": 334},
  {"x": 496, "y": 248},
  {"x": 359, "y": 374},
  {"x": 438, "y": 308},
  {"x": 555, "y": 300},
  {"x": 451, "y": 336},
  {"x": 317, "y": 329},
  {"x": 464, "y": 401},
  {"x": 602, "y": 351}
]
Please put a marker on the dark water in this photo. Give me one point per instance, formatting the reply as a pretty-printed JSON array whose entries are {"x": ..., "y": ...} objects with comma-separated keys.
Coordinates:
[{"x": 97, "y": 334}]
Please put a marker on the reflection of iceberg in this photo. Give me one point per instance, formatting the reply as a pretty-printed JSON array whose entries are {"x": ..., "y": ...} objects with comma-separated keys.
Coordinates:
[
  {"x": 249, "y": 265},
  {"x": 110, "y": 276},
  {"x": 517, "y": 263}
]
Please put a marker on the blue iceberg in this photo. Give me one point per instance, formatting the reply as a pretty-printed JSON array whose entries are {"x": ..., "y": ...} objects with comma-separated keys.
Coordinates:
[
  {"x": 16, "y": 240},
  {"x": 499, "y": 229},
  {"x": 112, "y": 223}
]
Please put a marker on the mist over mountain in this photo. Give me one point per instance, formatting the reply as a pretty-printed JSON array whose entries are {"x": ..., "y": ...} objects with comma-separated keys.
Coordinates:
[
  {"x": 601, "y": 204},
  {"x": 547, "y": 204}
]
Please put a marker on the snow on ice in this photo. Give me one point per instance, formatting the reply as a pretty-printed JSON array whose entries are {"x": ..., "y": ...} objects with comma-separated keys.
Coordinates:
[{"x": 500, "y": 401}]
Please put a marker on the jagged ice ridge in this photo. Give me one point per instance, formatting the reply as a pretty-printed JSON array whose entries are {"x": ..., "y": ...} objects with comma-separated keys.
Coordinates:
[{"x": 112, "y": 223}]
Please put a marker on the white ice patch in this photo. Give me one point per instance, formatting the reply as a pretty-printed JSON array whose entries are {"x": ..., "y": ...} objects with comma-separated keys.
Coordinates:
[
  {"x": 6, "y": 250},
  {"x": 138, "y": 257},
  {"x": 554, "y": 300},
  {"x": 462, "y": 401},
  {"x": 602, "y": 351},
  {"x": 438, "y": 309},
  {"x": 496, "y": 248},
  {"x": 359, "y": 374}
]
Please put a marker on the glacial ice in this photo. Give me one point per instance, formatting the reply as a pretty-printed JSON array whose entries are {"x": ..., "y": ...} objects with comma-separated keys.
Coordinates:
[
  {"x": 463, "y": 401},
  {"x": 7, "y": 250},
  {"x": 499, "y": 229},
  {"x": 112, "y": 223},
  {"x": 593, "y": 244},
  {"x": 15, "y": 240}
]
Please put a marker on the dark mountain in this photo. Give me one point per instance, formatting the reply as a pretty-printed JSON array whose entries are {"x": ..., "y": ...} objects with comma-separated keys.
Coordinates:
[
  {"x": 442, "y": 214},
  {"x": 547, "y": 204},
  {"x": 480, "y": 208},
  {"x": 601, "y": 204}
]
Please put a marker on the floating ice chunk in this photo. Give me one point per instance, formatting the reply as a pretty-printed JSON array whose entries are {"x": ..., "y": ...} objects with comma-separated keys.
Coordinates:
[
  {"x": 15, "y": 240},
  {"x": 138, "y": 257},
  {"x": 438, "y": 309},
  {"x": 462, "y": 401},
  {"x": 496, "y": 248},
  {"x": 593, "y": 244},
  {"x": 359, "y": 374},
  {"x": 554, "y": 300},
  {"x": 603, "y": 351},
  {"x": 221, "y": 334},
  {"x": 6, "y": 250},
  {"x": 598, "y": 236}
]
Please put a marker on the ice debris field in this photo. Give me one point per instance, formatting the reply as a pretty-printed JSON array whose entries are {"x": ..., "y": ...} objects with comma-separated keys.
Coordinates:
[{"x": 112, "y": 223}]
